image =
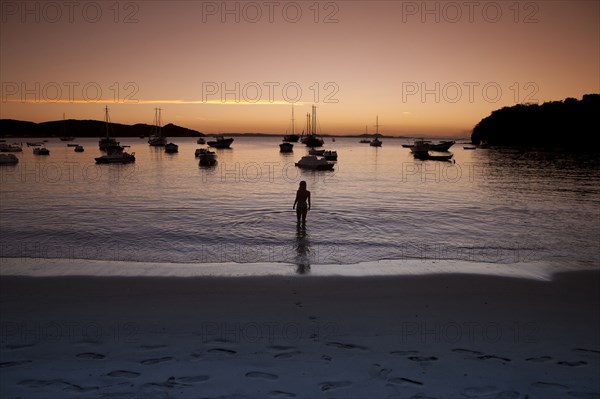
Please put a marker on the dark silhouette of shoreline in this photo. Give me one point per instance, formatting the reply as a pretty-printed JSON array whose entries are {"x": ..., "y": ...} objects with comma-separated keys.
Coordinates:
[
  {"x": 569, "y": 124},
  {"x": 86, "y": 128}
]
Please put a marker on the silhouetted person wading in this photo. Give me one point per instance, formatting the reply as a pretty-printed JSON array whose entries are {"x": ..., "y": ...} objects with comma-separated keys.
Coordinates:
[{"x": 302, "y": 202}]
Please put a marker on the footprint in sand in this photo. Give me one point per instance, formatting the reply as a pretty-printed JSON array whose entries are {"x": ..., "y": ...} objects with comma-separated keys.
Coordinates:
[
  {"x": 540, "y": 359},
  {"x": 287, "y": 355},
  {"x": 299, "y": 304},
  {"x": 282, "y": 347},
  {"x": 404, "y": 381},
  {"x": 467, "y": 352},
  {"x": 377, "y": 372},
  {"x": 222, "y": 351},
  {"x": 572, "y": 364},
  {"x": 39, "y": 383},
  {"x": 57, "y": 383},
  {"x": 404, "y": 353},
  {"x": 585, "y": 395},
  {"x": 327, "y": 358},
  {"x": 595, "y": 352},
  {"x": 281, "y": 395},
  {"x": 156, "y": 361},
  {"x": 14, "y": 364},
  {"x": 193, "y": 379},
  {"x": 91, "y": 355},
  {"x": 173, "y": 382},
  {"x": 123, "y": 374},
  {"x": 493, "y": 357},
  {"x": 18, "y": 346},
  {"x": 259, "y": 374},
  {"x": 331, "y": 385},
  {"x": 345, "y": 346},
  {"x": 550, "y": 385},
  {"x": 422, "y": 358}
]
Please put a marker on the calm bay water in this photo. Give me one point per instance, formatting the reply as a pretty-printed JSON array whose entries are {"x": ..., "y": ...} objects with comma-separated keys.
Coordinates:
[{"x": 496, "y": 206}]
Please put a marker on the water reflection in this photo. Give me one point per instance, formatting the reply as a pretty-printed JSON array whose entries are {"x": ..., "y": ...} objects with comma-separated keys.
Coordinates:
[{"x": 302, "y": 248}]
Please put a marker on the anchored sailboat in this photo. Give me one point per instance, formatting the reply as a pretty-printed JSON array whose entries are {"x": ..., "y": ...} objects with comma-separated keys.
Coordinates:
[
  {"x": 156, "y": 139},
  {"x": 311, "y": 139},
  {"x": 107, "y": 143},
  {"x": 291, "y": 138},
  {"x": 115, "y": 153},
  {"x": 376, "y": 142}
]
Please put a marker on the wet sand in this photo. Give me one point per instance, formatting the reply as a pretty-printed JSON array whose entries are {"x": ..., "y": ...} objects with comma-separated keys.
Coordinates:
[{"x": 434, "y": 336}]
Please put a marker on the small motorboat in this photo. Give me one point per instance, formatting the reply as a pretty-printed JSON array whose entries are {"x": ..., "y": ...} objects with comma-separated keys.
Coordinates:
[
  {"x": 314, "y": 151},
  {"x": 375, "y": 142},
  {"x": 442, "y": 146},
  {"x": 365, "y": 141},
  {"x": 312, "y": 162},
  {"x": 207, "y": 157},
  {"x": 469, "y": 148},
  {"x": 421, "y": 151},
  {"x": 171, "y": 148},
  {"x": 79, "y": 148},
  {"x": 72, "y": 145},
  {"x": 200, "y": 141},
  {"x": 10, "y": 147},
  {"x": 286, "y": 147},
  {"x": 330, "y": 155},
  {"x": 41, "y": 151},
  {"x": 116, "y": 155},
  {"x": 35, "y": 144},
  {"x": 220, "y": 142},
  {"x": 67, "y": 138},
  {"x": 8, "y": 159}
]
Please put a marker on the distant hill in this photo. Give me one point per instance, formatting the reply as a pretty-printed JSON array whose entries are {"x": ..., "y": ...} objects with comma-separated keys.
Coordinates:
[
  {"x": 570, "y": 123},
  {"x": 86, "y": 128}
]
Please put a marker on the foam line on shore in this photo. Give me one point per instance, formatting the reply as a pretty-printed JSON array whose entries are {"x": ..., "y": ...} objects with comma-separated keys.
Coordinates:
[{"x": 54, "y": 267}]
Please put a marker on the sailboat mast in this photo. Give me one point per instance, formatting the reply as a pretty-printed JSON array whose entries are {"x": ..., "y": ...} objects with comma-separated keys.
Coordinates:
[
  {"x": 377, "y": 124},
  {"x": 314, "y": 119},
  {"x": 159, "y": 123},
  {"x": 308, "y": 129},
  {"x": 106, "y": 118},
  {"x": 292, "y": 118}
]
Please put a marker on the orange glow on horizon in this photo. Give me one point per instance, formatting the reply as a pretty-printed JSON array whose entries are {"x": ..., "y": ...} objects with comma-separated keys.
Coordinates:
[{"x": 423, "y": 70}]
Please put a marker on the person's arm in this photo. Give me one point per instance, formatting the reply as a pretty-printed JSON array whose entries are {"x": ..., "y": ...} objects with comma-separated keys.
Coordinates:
[
  {"x": 308, "y": 200},
  {"x": 295, "y": 202}
]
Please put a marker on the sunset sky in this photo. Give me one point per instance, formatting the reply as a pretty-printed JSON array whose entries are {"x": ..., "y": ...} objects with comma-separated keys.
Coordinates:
[{"x": 425, "y": 68}]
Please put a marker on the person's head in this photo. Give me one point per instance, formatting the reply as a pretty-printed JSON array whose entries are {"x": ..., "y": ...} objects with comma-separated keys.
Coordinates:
[{"x": 302, "y": 185}]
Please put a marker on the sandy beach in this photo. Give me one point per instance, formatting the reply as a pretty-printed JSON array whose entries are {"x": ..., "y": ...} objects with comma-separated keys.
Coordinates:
[{"x": 435, "y": 336}]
